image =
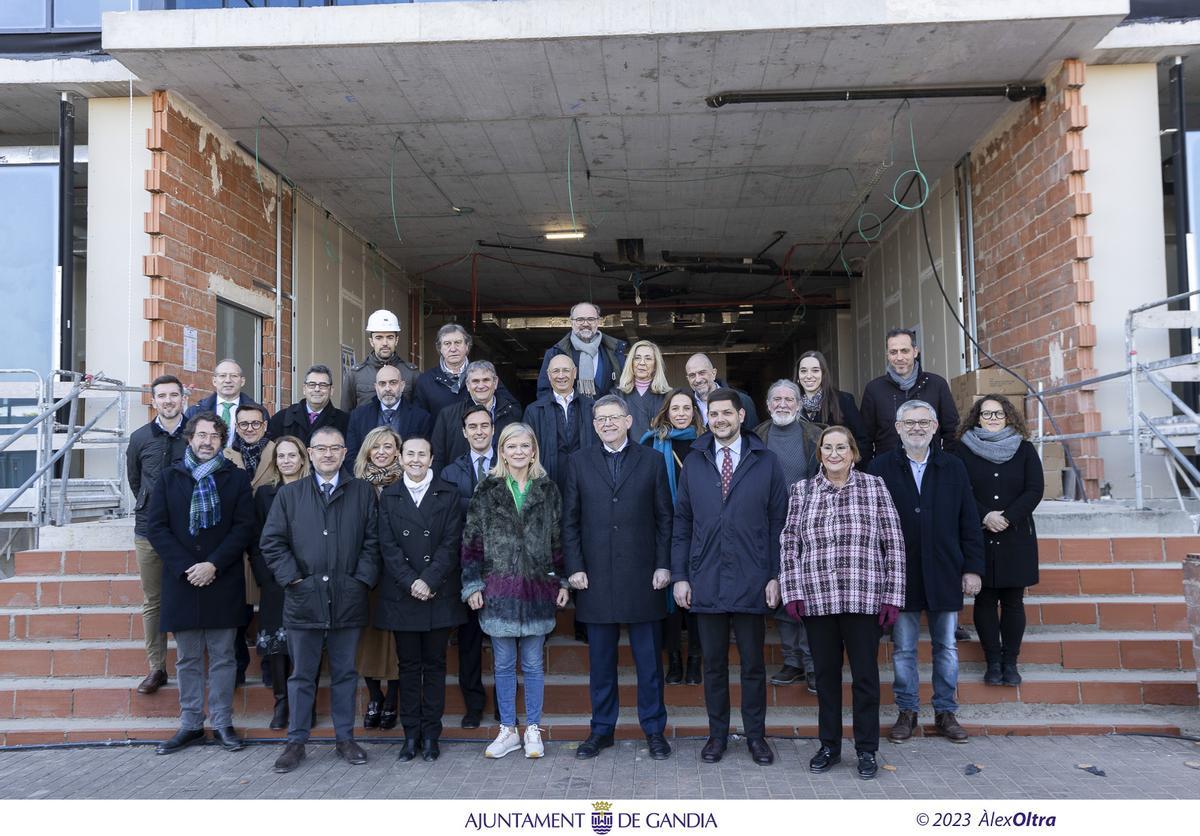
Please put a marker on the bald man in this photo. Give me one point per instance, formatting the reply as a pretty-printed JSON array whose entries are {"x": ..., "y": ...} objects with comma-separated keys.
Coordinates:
[
  {"x": 561, "y": 420},
  {"x": 387, "y": 408},
  {"x": 702, "y": 377}
]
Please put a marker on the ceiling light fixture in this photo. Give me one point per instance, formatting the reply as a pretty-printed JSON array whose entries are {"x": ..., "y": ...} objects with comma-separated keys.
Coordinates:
[{"x": 575, "y": 235}]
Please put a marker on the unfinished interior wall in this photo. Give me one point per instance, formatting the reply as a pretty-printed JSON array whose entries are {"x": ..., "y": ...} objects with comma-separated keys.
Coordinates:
[
  {"x": 1034, "y": 289},
  {"x": 340, "y": 280},
  {"x": 898, "y": 289},
  {"x": 214, "y": 222}
]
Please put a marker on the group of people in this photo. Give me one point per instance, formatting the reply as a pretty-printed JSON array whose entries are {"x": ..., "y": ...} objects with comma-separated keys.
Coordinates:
[{"x": 432, "y": 503}]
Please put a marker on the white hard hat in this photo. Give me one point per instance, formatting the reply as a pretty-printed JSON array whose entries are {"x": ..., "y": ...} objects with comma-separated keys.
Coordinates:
[{"x": 382, "y": 320}]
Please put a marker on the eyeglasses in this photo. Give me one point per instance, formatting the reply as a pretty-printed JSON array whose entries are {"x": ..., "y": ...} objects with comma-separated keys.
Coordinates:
[
  {"x": 321, "y": 386},
  {"x": 924, "y": 423},
  {"x": 601, "y": 420},
  {"x": 841, "y": 449},
  {"x": 586, "y": 320},
  {"x": 325, "y": 449},
  {"x": 207, "y": 436},
  {"x": 992, "y": 414},
  {"x": 250, "y": 425}
]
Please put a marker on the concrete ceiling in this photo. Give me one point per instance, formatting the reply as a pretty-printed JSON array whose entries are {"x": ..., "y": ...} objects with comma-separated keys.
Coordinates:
[{"x": 493, "y": 124}]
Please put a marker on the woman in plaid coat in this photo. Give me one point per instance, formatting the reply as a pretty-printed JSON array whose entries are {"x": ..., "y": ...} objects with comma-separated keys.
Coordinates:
[{"x": 842, "y": 571}]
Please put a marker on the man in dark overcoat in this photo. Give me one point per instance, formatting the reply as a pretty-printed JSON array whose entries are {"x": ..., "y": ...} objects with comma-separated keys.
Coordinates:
[
  {"x": 321, "y": 543},
  {"x": 464, "y": 473},
  {"x": 943, "y": 548},
  {"x": 420, "y": 536},
  {"x": 389, "y": 408},
  {"x": 316, "y": 410},
  {"x": 561, "y": 419},
  {"x": 730, "y": 507},
  {"x": 200, "y": 522},
  {"x": 483, "y": 388},
  {"x": 617, "y": 547}
]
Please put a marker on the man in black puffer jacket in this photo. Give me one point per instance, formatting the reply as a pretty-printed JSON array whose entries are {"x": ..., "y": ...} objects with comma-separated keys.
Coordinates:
[
  {"x": 320, "y": 542},
  {"x": 153, "y": 448}
]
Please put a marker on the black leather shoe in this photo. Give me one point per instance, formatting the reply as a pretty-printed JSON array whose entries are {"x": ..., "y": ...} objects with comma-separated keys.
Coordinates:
[
  {"x": 408, "y": 751},
  {"x": 659, "y": 748},
  {"x": 182, "y": 739},
  {"x": 373, "y": 716},
  {"x": 292, "y": 754},
  {"x": 351, "y": 752},
  {"x": 279, "y": 717},
  {"x": 713, "y": 749},
  {"x": 153, "y": 681},
  {"x": 388, "y": 718},
  {"x": 229, "y": 740},
  {"x": 760, "y": 751},
  {"x": 430, "y": 750},
  {"x": 592, "y": 746},
  {"x": 993, "y": 675},
  {"x": 694, "y": 675},
  {"x": 471, "y": 720},
  {"x": 1011, "y": 675},
  {"x": 674, "y": 669},
  {"x": 824, "y": 760},
  {"x": 867, "y": 767}
]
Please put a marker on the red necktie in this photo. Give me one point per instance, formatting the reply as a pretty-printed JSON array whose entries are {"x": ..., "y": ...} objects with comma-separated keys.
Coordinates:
[{"x": 726, "y": 473}]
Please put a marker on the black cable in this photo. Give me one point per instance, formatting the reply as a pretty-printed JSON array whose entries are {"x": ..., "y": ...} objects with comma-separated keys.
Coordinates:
[{"x": 1079, "y": 491}]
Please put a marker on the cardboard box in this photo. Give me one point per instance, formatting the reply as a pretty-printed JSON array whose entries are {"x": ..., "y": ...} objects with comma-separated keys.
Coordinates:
[
  {"x": 1054, "y": 484},
  {"x": 1053, "y": 457},
  {"x": 990, "y": 381}
]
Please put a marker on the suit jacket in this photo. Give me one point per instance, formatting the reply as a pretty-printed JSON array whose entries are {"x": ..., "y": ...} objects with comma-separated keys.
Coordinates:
[
  {"x": 461, "y": 474},
  {"x": 209, "y": 403},
  {"x": 411, "y": 421},
  {"x": 617, "y": 533},
  {"x": 294, "y": 421},
  {"x": 543, "y": 414}
]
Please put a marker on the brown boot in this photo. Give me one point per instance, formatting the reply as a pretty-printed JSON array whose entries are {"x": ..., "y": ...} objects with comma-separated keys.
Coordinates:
[
  {"x": 947, "y": 726},
  {"x": 906, "y": 724}
]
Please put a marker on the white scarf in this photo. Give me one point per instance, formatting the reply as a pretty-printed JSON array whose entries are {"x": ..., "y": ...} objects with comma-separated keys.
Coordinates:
[{"x": 418, "y": 489}]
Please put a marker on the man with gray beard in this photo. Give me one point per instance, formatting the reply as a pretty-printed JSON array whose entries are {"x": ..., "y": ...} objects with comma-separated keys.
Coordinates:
[{"x": 793, "y": 439}]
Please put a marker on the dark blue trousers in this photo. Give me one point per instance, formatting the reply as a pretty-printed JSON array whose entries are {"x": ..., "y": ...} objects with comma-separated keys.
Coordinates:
[{"x": 645, "y": 639}]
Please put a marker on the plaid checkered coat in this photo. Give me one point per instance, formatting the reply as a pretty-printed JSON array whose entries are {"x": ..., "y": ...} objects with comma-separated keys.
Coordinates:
[{"x": 842, "y": 550}]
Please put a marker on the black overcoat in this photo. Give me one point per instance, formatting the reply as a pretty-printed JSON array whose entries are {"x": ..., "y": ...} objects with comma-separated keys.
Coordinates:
[
  {"x": 542, "y": 417},
  {"x": 619, "y": 534},
  {"x": 1015, "y": 488},
  {"x": 294, "y": 421},
  {"x": 728, "y": 549},
  {"x": 420, "y": 542},
  {"x": 222, "y": 603},
  {"x": 882, "y": 397},
  {"x": 332, "y": 549},
  {"x": 942, "y": 539}
]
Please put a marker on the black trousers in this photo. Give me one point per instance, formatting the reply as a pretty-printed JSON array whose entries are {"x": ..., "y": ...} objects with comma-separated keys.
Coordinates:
[
  {"x": 750, "y": 631},
  {"x": 1000, "y": 634},
  {"x": 470, "y": 664},
  {"x": 305, "y": 648},
  {"x": 858, "y": 636},
  {"x": 421, "y": 658},
  {"x": 672, "y": 627}
]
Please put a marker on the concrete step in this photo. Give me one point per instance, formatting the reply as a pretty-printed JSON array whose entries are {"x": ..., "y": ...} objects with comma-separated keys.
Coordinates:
[
  {"x": 782, "y": 722},
  {"x": 116, "y": 697}
]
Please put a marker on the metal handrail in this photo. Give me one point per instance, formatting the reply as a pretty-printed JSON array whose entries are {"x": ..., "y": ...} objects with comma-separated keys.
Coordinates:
[{"x": 45, "y": 425}]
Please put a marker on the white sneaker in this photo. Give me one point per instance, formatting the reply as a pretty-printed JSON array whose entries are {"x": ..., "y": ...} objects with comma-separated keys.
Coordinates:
[
  {"x": 533, "y": 741},
  {"x": 506, "y": 741}
]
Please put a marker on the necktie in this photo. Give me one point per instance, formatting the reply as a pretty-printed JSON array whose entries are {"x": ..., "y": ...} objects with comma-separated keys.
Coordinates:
[
  {"x": 726, "y": 473},
  {"x": 312, "y": 417},
  {"x": 481, "y": 468},
  {"x": 389, "y": 418},
  {"x": 225, "y": 410},
  {"x": 327, "y": 491},
  {"x": 614, "y": 464}
]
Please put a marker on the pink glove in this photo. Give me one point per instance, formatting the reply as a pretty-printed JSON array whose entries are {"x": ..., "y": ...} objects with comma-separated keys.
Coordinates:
[
  {"x": 888, "y": 615},
  {"x": 795, "y": 609}
]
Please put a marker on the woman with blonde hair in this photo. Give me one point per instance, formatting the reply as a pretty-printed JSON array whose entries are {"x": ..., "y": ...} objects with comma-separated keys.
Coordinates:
[
  {"x": 288, "y": 463},
  {"x": 378, "y": 462},
  {"x": 512, "y": 575},
  {"x": 643, "y": 385}
]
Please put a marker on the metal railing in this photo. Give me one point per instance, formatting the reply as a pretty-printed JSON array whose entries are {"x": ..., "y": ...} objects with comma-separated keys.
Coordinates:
[
  {"x": 1145, "y": 432},
  {"x": 55, "y": 498}
]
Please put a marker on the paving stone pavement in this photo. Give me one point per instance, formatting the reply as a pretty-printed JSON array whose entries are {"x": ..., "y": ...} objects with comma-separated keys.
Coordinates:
[{"x": 1010, "y": 768}]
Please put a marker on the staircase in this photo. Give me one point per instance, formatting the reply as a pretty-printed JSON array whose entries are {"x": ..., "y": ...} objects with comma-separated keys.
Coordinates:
[{"x": 1107, "y": 649}]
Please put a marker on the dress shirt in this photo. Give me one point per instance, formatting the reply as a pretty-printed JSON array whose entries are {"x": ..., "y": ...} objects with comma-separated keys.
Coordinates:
[
  {"x": 735, "y": 450},
  {"x": 565, "y": 403},
  {"x": 487, "y": 462},
  {"x": 918, "y": 469}
]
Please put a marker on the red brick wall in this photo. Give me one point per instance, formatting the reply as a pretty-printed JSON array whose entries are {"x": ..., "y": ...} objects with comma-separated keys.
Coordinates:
[
  {"x": 1033, "y": 292},
  {"x": 209, "y": 216}
]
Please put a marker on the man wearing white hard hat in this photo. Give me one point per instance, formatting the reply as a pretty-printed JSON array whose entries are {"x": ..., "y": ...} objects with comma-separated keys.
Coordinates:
[{"x": 383, "y": 333}]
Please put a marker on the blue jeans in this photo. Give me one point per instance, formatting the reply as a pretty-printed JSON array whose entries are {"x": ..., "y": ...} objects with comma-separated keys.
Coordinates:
[
  {"x": 504, "y": 653},
  {"x": 945, "y": 660}
]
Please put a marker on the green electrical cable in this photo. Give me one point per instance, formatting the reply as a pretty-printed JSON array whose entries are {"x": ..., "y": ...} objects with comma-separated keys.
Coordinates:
[
  {"x": 923, "y": 193},
  {"x": 570, "y": 196},
  {"x": 392, "y": 187}
]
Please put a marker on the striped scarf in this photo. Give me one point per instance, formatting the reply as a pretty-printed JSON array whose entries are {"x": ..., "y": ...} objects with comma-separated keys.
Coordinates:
[{"x": 205, "y": 510}]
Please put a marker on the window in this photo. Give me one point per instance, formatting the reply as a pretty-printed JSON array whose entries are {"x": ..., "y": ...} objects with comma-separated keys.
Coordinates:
[
  {"x": 239, "y": 335},
  {"x": 28, "y": 271},
  {"x": 52, "y": 15}
]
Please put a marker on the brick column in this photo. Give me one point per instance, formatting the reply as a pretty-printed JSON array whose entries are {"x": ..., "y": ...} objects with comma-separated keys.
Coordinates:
[{"x": 1191, "y": 594}]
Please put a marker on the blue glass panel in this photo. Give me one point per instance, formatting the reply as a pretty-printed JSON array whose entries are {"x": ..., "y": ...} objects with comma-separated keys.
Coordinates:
[{"x": 29, "y": 241}]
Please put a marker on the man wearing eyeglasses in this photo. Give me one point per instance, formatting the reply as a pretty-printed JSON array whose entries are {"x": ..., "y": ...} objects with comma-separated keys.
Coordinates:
[
  {"x": 561, "y": 420},
  {"x": 316, "y": 410},
  {"x": 228, "y": 381},
  {"x": 598, "y": 357},
  {"x": 200, "y": 521},
  {"x": 320, "y": 543},
  {"x": 904, "y": 380},
  {"x": 943, "y": 548}
]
